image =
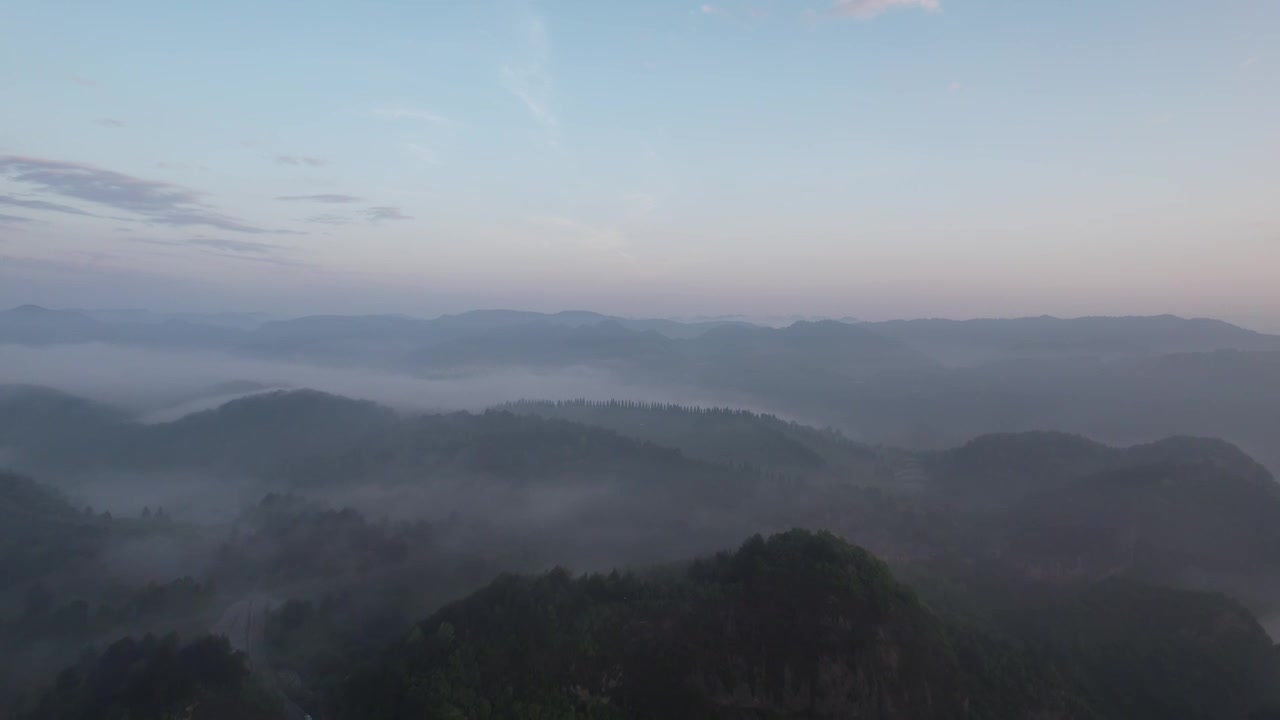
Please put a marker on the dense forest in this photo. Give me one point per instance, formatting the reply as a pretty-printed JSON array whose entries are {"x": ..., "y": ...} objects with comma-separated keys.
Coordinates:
[
  {"x": 1033, "y": 574},
  {"x": 806, "y": 625}
]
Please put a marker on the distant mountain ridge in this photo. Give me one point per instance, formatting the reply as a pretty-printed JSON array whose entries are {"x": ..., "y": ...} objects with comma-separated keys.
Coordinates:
[
  {"x": 973, "y": 341},
  {"x": 320, "y": 336}
]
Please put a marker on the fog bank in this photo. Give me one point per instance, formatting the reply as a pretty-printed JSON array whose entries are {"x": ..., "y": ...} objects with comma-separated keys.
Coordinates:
[{"x": 164, "y": 385}]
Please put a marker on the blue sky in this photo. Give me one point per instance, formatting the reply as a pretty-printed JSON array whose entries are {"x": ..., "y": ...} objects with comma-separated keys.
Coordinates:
[{"x": 873, "y": 158}]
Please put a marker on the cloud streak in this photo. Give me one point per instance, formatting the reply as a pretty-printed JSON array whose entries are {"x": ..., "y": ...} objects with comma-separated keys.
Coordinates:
[
  {"x": 867, "y": 9},
  {"x": 227, "y": 248},
  {"x": 530, "y": 81},
  {"x": 300, "y": 160},
  {"x": 423, "y": 153},
  {"x": 236, "y": 246},
  {"x": 13, "y": 220},
  {"x": 111, "y": 122},
  {"x": 329, "y": 198},
  {"x": 327, "y": 219},
  {"x": 384, "y": 212},
  {"x": 157, "y": 202},
  {"x": 11, "y": 201},
  {"x": 400, "y": 112}
]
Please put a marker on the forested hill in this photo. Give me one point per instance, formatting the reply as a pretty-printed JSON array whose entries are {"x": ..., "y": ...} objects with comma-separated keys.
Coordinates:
[
  {"x": 804, "y": 625},
  {"x": 651, "y": 482},
  {"x": 158, "y": 678},
  {"x": 42, "y": 533},
  {"x": 384, "y": 516},
  {"x": 998, "y": 468},
  {"x": 722, "y": 435},
  {"x": 799, "y": 626}
]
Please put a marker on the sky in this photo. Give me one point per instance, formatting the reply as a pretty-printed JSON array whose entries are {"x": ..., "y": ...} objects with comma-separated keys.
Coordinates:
[{"x": 865, "y": 158}]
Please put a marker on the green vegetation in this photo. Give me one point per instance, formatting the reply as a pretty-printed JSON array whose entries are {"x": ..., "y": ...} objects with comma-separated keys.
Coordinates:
[
  {"x": 42, "y": 532},
  {"x": 800, "y": 625},
  {"x": 724, "y": 435},
  {"x": 1049, "y": 567},
  {"x": 158, "y": 679},
  {"x": 806, "y": 625},
  {"x": 1127, "y": 649}
]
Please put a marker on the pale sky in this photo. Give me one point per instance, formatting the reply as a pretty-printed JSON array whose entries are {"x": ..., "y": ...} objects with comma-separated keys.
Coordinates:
[{"x": 868, "y": 158}]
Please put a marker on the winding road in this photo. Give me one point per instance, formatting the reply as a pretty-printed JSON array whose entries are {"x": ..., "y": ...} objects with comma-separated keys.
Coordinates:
[{"x": 242, "y": 624}]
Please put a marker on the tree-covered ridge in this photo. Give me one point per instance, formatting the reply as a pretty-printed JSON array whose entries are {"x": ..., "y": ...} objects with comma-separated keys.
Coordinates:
[
  {"x": 800, "y": 625},
  {"x": 921, "y": 383},
  {"x": 40, "y": 531},
  {"x": 34, "y": 414},
  {"x": 470, "y": 494},
  {"x": 805, "y": 625},
  {"x": 23, "y": 497},
  {"x": 608, "y": 474},
  {"x": 310, "y": 438},
  {"x": 1127, "y": 649},
  {"x": 61, "y": 594},
  {"x": 1000, "y": 468},
  {"x": 1196, "y": 525},
  {"x": 158, "y": 678},
  {"x": 723, "y": 435}
]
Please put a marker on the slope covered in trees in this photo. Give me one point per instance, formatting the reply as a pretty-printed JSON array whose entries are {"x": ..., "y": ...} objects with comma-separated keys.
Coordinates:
[
  {"x": 801, "y": 625},
  {"x": 387, "y": 516},
  {"x": 723, "y": 435},
  {"x": 652, "y": 482},
  {"x": 805, "y": 625},
  {"x": 158, "y": 679}
]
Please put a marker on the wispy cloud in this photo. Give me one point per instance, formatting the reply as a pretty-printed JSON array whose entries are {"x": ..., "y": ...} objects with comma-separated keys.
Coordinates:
[
  {"x": 179, "y": 217},
  {"x": 866, "y": 9},
  {"x": 327, "y": 198},
  {"x": 423, "y": 153},
  {"x": 384, "y": 212},
  {"x": 226, "y": 248},
  {"x": 300, "y": 160},
  {"x": 111, "y": 122},
  {"x": 401, "y": 112},
  {"x": 157, "y": 202},
  {"x": 11, "y": 201},
  {"x": 14, "y": 219},
  {"x": 83, "y": 81},
  {"x": 237, "y": 246},
  {"x": 269, "y": 259},
  {"x": 326, "y": 219},
  {"x": 530, "y": 80}
]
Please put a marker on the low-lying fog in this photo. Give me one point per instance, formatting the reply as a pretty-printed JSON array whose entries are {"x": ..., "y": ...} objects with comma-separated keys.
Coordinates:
[
  {"x": 161, "y": 386},
  {"x": 164, "y": 385}
]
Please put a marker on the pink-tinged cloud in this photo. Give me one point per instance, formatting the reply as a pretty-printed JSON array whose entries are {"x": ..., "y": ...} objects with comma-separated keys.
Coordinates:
[{"x": 865, "y": 9}]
